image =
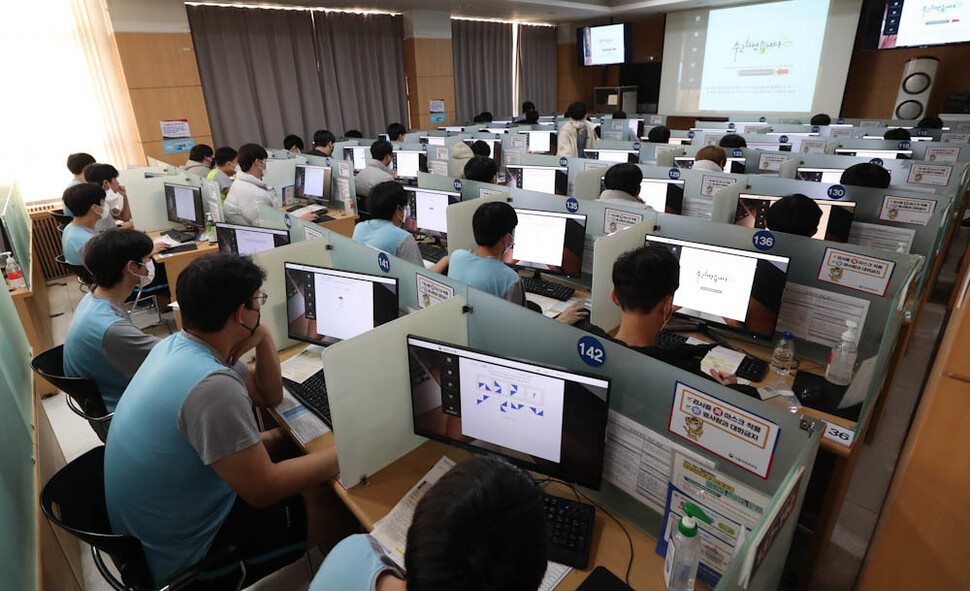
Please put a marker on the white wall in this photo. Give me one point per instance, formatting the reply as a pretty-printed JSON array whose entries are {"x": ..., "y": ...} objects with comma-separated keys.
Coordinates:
[
  {"x": 148, "y": 16},
  {"x": 427, "y": 24}
]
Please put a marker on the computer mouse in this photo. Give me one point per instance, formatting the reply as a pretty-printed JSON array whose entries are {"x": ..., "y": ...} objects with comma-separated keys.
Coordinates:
[{"x": 809, "y": 394}]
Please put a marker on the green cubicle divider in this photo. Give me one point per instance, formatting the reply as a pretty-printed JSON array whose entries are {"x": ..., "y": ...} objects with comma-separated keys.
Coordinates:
[
  {"x": 16, "y": 226},
  {"x": 146, "y": 198},
  {"x": 18, "y": 497}
]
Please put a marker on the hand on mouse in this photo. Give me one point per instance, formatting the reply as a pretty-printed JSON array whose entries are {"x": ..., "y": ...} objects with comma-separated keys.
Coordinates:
[
  {"x": 724, "y": 377},
  {"x": 573, "y": 314}
]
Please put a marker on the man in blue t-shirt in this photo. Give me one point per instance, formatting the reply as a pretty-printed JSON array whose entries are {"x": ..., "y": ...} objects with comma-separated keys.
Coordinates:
[
  {"x": 493, "y": 225},
  {"x": 87, "y": 202},
  {"x": 187, "y": 471}
]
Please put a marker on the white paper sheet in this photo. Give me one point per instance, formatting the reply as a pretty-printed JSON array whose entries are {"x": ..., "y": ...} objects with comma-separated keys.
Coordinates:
[
  {"x": 300, "y": 367},
  {"x": 819, "y": 316},
  {"x": 697, "y": 208},
  {"x": 305, "y": 425},
  {"x": 882, "y": 237}
]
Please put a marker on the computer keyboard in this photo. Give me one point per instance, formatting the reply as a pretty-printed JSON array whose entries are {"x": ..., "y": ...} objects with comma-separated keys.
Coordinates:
[
  {"x": 180, "y": 236},
  {"x": 322, "y": 218},
  {"x": 432, "y": 252},
  {"x": 569, "y": 530},
  {"x": 752, "y": 368},
  {"x": 312, "y": 394},
  {"x": 541, "y": 287},
  {"x": 665, "y": 338},
  {"x": 181, "y": 248}
]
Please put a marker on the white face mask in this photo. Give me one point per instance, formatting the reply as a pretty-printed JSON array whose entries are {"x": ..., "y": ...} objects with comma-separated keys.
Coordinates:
[
  {"x": 113, "y": 201},
  {"x": 145, "y": 280},
  {"x": 104, "y": 213}
]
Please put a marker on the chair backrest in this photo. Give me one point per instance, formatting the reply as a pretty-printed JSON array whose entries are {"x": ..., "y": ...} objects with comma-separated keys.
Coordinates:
[
  {"x": 73, "y": 499},
  {"x": 82, "y": 272},
  {"x": 50, "y": 366},
  {"x": 60, "y": 217}
]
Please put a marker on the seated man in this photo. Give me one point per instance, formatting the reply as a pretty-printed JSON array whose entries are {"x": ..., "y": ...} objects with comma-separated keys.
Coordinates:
[
  {"x": 821, "y": 119},
  {"x": 291, "y": 143},
  {"x": 481, "y": 169},
  {"x": 396, "y": 132},
  {"x": 866, "y": 174},
  {"x": 931, "y": 122},
  {"x": 388, "y": 204},
  {"x": 249, "y": 189},
  {"x": 710, "y": 159},
  {"x": 897, "y": 134},
  {"x": 461, "y": 154},
  {"x": 794, "y": 214},
  {"x": 353, "y": 133},
  {"x": 493, "y": 225},
  {"x": 644, "y": 282},
  {"x": 102, "y": 344},
  {"x": 531, "y": 117},
  {"x": 186, "y": 470},
  {"x": 200, "y": 160},
  {"x": 622, "y": 185},
  {"x": 87, "y": 203},
  {"x": 481, "y": 148},
  {"x": 323, "y": 140},
  {"x": 75, "y": 164},
  {"x": 225, "y": 167},
  {"x": 115, "y": 195},
  {"x": 378, "y": 169},
  {"x": 480, "y": 528},
  {"x": 733, "y": 140},
  {"x": 659, "y": 134}
]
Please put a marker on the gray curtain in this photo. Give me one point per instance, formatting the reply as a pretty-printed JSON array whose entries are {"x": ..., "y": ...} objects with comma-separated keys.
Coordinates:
[
  {"x": 266, "y": 73},
  {"x": 482, "y": 53},
  {"x": 536, "y": 66}
]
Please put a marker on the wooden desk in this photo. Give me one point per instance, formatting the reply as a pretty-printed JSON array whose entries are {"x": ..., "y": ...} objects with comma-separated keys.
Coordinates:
[
  {"x": 342, "y": 223},
  {"x": 176, "y": 263}
]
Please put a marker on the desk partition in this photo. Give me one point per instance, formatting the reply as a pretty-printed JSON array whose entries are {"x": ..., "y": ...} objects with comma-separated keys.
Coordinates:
[{"x": 16, "y": 226}]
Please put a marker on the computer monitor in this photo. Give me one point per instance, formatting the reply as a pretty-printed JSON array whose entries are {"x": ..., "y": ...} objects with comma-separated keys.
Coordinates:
[
  {"x": 358, "y": 155},
  {"x": 732, "y": 165},
  {"x": 834, "y": 225},
  {"x": 819, "y": 175},
  {"x": 384, "y": 136},
  {"x": 728, "y": 287},
  {"x": 625, "y": 156},
  {"x": 542, "y": 418},
  {"x": 663, "y": 195},
  {"x": 770, "y": 147},
  {"x": 884, "y": 154},
  {"x": 496, "y": 123},
  {"x": 494, "y": 147},
  {"x": 247, "y": 240},
  {"x": 452, "y": 128},
  {"x": 541, "y": 141},
  {"x": 915, "y": 138},
  {"x": 545, "y": 179},
  {"x": 324, "y": 306},
  {"x": 427, "y": 209},
  {"x": 635, "y": 126},
  {"x": 548, "y": 241},
  {"x": 184, "y": 204},
  {"x": 407, "y": 163},
  {"x": 677, "y": 141},
  {"x": 495, "y": 130},
  {"x": 433, "y": 140},
  {"x": 313, "y": 182}
]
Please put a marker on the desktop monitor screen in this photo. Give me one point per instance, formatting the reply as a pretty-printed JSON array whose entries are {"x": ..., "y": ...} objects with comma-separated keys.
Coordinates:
[
  {"x": 184, "y": 204},
  {"x": 628, "y": 156},
  {"x": 541, "y": 142},
  {"x": 407, "y": 164},
  {"x": 605, "y": 44},
  {"x": 550, "y": 242},
  {"x": 819, "y": 175},
  {"x": 312, "y": 182},
  {"x": 732, "y": 165},
  {"x": 915, "y": 138},
  {"x": 247, "y": 240},
  {"x": 544, "y": 179},
  {"x": 738, "y": 289},
  {"x": 358, "y": 155},
  {"x": 452, "y": 129},
  {"x": 834, "y": 224},
  {"x": 664, "y": 196},
  {"x": 495, "y": 130},
  {"x": 433, "y": 140},
  {"x": 324, "y": 306},
  {"x": 884, "y": 154},
  {"x": 494, "y": 148},
  {"x": 427, "y": 211},
  {"x": 679, "y": 141},
  {"x": 544, "y": 419},
  {"x": 384, "y": 136}
]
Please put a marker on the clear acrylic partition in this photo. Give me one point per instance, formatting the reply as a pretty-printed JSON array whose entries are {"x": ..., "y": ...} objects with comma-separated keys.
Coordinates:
[
  {"x": 475, "y": 189},
  {"x": 725, "y": 202},
  {"x": 270, "y": 217},
  {"x": 273, "y": 313},
  {"x": 437, "y": 182},
  {"x": 279, "y": 174},
  {"x": 603, "y": 312},
  {"x": 350, "y": 255},
  {"x": 459, "y": 216},
  {"x": 586, "y": 186},
  {"x": 16, "y": 222},
  {"x": 371, "y": 409},
  {"x": 146, "y": 198},
  {"x": 18, "y": 517},
  {"x": 212, "y": 199}
]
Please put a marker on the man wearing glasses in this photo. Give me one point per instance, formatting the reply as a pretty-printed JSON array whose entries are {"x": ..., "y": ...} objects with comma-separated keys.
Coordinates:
[{"x": 187, "y": 471}]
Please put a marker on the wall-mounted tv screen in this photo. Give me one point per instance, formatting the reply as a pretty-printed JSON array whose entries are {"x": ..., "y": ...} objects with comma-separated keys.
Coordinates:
[
  {"x": 917, "y": 23},
  {"x": 605, "y": 44}
]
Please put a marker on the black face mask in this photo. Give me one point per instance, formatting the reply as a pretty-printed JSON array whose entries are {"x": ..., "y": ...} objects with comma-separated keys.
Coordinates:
[{"x": 252, "y": 330}]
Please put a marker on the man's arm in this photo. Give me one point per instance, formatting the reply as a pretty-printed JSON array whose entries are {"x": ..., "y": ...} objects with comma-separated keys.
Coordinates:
[
  {"x": 125, "y": 347},
  {"x": 261, "y": 483},
  {"x": 265, "y": 382}
]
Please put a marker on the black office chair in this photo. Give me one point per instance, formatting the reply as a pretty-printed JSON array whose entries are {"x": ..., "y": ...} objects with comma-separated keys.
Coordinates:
[
  {"x": 60, "y": 217},
  {"x": 84, "y": 277},
  {"x": 73, "y": 499},
  {"x": 83, "y": 395}
]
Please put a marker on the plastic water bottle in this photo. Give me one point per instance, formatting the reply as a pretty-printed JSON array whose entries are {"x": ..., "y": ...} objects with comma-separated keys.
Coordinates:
[
  {"x": 783, "y": 355},
  {"x": 14, "y": 275},
  {"x": 210, "y": 228},
  {"x": 684, "y": 551},
  {"x": 842, "y": 359}
]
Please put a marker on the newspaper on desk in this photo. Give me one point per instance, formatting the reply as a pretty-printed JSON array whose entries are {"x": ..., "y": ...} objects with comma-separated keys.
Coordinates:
[
  {"x": 304, "y": 425},
  {"x": 391, "y": 532}
]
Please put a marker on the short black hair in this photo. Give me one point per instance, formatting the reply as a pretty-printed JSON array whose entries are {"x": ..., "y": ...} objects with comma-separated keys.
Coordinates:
[
  {"x": 795, "y": 214},
  {"x": 481, "y": 148},
  {"x": 643, "y": 277},
  {"x": 896, "y": 134},
  {"x": 213, "y": 287},
  {"x": 478, "y": 119},
  {"x": 107, "y": 253},
  {"x": 353, "y": 133},
  {"x": 576, "y": 110},
  {"x": 395, "y": 130},
  {"x": 619, "y": 115},
  {"x": 532, "y": 117},
  {"x": 624, "y": 177},
  {"x": 289, "y": 142},
  {"x": 492, "y": 221},
  {"x": 97, "y": 173},
  {"x": 385, "y": 198},
  {"x": 76, "y": 162},
  {"x": 200, "y": 152},
  {"x": 821, "y": 119},
  {"x": 866, "y": 174},
  {"x": 80, "y": 198},
  {"x": 481, "y": 527},
  {"x": 480, "y": 168},
  {"x": 248, "y": 155},
  {"x": 528, "y": 106},
  {"x": 381, "y": 149},
  {"x": 732, "y": 140},
  {"x": 659, "y": 134},
  {"x": 487, "y": 116},
  {"x": 225, "y": 154},
  {"x": 930, "y": 123},
  {"x": 322, "y": 137}
]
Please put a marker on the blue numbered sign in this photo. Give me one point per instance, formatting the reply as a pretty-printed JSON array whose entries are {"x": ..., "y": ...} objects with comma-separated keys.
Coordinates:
[
  {"x": 836, "y": 191},
  {"x": 783, "y": 139},
  {"x": 287, "y": 220},
  {"x": 876, "y": 161},
  {"x": 690, "y": 134},
  {"x": 591, "y": 351},
  {"x": 840, "y": 121},
  {"x": 904, "y": 145},
  {"x": 563, "y": 161},
  {"x": 636, "y": 145},
  {"x": 922, "y": 132},
  {"x": 762, "y": 119},
  {"x": 674, "y": 174},
  {"x": 572, "y": 205},
  {"x": 730, "y": 126},
  {"x": 458, "y": 184},
  {"x": 763, "y": 240},
  {"x": 815, "y": 129},
  {"x": 384, "y": 262},
  {"x": 737, "y": 153}
]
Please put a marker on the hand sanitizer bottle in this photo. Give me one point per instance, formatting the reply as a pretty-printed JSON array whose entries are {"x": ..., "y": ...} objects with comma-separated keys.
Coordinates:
[
  {"x": 684, "y": 551},
  {"x": 842, "y": 359}
]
